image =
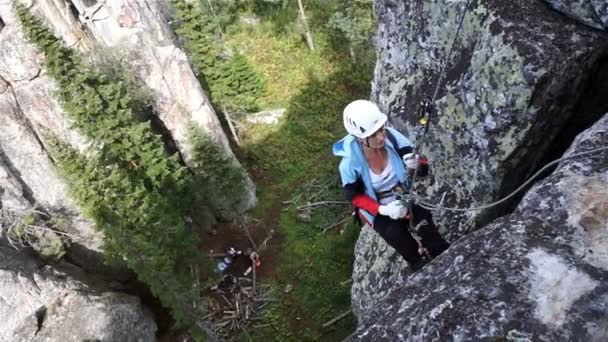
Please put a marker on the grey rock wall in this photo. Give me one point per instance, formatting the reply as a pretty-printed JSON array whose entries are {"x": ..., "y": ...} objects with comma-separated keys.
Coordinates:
[
  {"x": 593, "y": 13},
  {"x": 11, "y": 190},
  {"x": 520, "y": 75},
  {"x": 516, "y": 76},
  {"x": 28, "y": 109},
  {"x": 44, "y": 303},
  {"x": 376, "y": 270},
  {"x": 539, "y": 274}
]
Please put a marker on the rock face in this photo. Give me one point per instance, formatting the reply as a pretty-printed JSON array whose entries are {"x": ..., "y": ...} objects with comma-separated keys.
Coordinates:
[
  {"x": 514, "y": 79},
  {"x": 42, "y": 303},
  {"x": 589, "y": 12},
  {"x": 539, "y": 274},
  {"x": 11, "y": 191},
  {"x": 515, "y": 76},
  {"x": 376, "y": 270},
  {"x": 28, "y": 108},
  {"x": 521, "y": 82},
  {"x": 137, "y": 34}
]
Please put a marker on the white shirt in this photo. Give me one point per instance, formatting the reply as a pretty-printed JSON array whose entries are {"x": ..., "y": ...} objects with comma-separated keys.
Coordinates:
[{"x": 384, "y": 183}]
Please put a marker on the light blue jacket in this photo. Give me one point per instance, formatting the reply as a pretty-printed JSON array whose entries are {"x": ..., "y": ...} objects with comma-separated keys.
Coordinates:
[{"x": 354, "y": 164}]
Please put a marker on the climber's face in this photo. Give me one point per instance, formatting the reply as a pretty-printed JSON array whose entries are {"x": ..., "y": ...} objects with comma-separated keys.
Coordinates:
[{"x": 376, "y": 140}]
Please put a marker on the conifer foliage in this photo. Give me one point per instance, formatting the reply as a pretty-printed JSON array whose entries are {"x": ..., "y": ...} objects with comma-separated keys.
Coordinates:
[
  {"x": 136, "y": 194},
  {"x": 354, "y": 19},
  {"x": 233, "y": 83},
  {"x": 219, "y": 180}
]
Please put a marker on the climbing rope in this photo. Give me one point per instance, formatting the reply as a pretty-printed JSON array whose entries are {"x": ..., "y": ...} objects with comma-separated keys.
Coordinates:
[
  {"x": 427, "y": 107},
  {"x": 437, "y": 86},
  {"x": 431, "y": 206}
]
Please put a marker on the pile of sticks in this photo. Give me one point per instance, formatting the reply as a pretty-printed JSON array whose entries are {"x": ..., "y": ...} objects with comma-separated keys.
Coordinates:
[
  {"x": 237, "y": 302},
  {"x": 242, "y": 305}
]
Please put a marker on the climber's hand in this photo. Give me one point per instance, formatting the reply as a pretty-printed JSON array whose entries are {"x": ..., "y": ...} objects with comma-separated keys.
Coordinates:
[
  {"x": 411, "y": 161},
  {"x": 395, "y": 210}
]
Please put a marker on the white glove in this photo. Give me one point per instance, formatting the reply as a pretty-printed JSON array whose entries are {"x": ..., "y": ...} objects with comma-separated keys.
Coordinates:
[
  {"x": 394, "y": 210},
  {"x": 410, "y": 161}
]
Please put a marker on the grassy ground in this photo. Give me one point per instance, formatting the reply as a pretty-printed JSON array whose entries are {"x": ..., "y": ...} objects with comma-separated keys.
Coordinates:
[
  {"x": 282, "y": 60},
  {"x": 293, "y": 160}
]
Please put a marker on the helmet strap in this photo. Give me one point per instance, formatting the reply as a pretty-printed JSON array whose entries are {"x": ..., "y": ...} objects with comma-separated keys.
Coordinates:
[{"x": 365, "y": 142}]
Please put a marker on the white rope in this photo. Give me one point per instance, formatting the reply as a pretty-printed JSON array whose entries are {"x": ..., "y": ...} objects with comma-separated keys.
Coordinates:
[{"x": 431, "y": 206}]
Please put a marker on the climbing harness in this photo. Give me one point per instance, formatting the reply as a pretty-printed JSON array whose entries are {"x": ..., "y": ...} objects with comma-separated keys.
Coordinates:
[{"x": 406, "y": 199}]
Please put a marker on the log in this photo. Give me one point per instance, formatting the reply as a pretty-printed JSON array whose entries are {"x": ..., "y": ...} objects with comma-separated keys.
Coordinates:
[{"x": 337, "y": 318}]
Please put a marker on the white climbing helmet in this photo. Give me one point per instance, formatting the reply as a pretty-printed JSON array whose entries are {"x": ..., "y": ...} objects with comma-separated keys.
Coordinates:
[{"x": 362, "y": 118}]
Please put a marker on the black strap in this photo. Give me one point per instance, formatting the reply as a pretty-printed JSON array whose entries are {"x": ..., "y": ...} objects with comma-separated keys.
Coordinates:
[
  {"x": 401, "y": 151},
  {"x": 392, "y": 139}
]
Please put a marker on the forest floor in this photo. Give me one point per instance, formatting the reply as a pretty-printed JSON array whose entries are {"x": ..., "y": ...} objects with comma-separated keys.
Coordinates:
[
  {"x": 301, "y": 214},
  {"x": 308, "y": 262}
]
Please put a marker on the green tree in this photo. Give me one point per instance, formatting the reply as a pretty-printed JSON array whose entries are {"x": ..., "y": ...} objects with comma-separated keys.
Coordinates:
[
  {"x": 221, "y": 14},
  {"x": 219, "y": 180},
  {"x": 233, "y": 83},
  {"x": 354, "y": 19},
  {"x": 239, "y": 85}
]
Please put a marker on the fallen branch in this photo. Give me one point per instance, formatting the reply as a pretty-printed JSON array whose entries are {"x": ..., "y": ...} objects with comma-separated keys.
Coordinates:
[
  {"x": 346, "y": 282},
  {"x": 253, "y": 275},
  {"x": 293, "y": 200},
  {"x": 25, "y": 221},
  {"x": 263, "y": 245},
  {"x": 246, "y": 334},
  {"x": 33, "y": 226},
  {"x": 316, "y": 204},
  {"x": 335, "y": 224},
  {"x": 241, "y": 308},
  {"x": 337, "y": 318},
  {"x": 253, "y": 244}
]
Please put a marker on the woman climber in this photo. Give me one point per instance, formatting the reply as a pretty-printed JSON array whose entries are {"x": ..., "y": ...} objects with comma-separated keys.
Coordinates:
[{"x": 376, "y": 163}]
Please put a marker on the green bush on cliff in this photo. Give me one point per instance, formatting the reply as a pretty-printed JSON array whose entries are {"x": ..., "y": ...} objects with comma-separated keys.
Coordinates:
[
  {"x": 135, "y": 193},
  {"x": 221, "y": 183}
]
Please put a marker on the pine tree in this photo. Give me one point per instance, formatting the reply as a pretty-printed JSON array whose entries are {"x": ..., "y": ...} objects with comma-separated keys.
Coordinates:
[
  {"x": 354, "y": 19},
  {"x": 218, "y": 178},
  {"x": 239, "y": 86},
  {"x": 232, "y": 82}
]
